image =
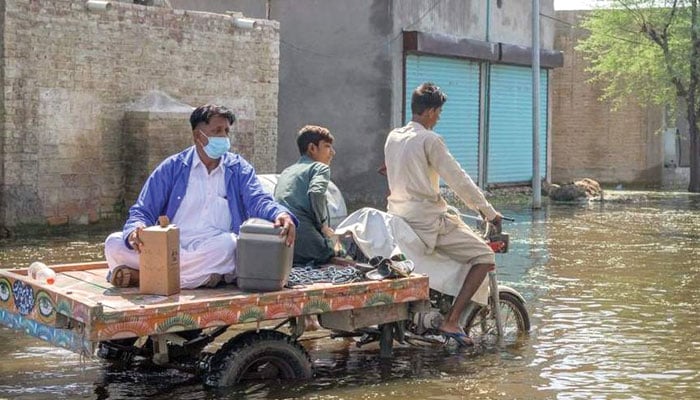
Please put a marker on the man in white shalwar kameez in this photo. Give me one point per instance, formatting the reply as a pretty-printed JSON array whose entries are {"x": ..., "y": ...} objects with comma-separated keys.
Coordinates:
[
  {"x": 208, "y": 192},
  {"x": 416, "y": 158}
]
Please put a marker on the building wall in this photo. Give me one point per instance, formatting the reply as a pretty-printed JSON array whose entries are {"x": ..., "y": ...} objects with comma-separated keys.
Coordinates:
[
  {"x": 335, "y": 71},
  {"x": 252, "y": 8},
  {"x": 341, "y": 65},
  {"x": 590, "y": 140},
  {"x": 3, "y": 194},
  {"x": 70, "y": 75},
  {"x": 510, "y": 23},
  {"x": 152, "y": 131}
]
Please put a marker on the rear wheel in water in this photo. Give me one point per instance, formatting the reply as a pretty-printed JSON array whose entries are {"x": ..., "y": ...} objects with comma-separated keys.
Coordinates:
[
  {"x": 259, "y": 356},
  {"x": 481, "y": 324},
  {"x": 118, "y": 350}
]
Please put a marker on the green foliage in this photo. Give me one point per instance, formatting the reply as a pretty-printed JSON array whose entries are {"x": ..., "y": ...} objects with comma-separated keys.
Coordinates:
[{"x": 627, "y": 61}]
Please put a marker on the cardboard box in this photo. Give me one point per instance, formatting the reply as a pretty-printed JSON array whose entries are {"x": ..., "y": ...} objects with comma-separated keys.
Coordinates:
[{"x": 159, "y": 262}]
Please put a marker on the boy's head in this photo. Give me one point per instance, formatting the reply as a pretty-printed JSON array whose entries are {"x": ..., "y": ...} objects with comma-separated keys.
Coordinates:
[
  {"x": 426, "y": 104},
  {"x": 316, "y": 142},
  {"x": 427, "y": 96}
]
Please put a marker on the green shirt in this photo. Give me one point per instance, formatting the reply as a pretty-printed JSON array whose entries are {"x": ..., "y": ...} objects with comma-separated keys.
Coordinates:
[{"x": 301, "y": 188}]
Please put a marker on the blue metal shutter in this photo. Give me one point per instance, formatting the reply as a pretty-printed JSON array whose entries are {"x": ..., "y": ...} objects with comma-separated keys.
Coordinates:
[
  {"x": 510, "y": 124},
  {"x": 459, "y": 121}
]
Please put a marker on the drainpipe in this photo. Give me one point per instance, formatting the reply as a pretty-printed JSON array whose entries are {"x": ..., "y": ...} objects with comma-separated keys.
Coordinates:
[
  {"x": 488, "y": 19},
  {"x": 484, "y": 88},
  {"x": 536, "y": 183}
]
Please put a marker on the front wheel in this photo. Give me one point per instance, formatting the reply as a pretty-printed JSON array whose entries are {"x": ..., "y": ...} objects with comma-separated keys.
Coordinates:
[{"x": 481, "y": 324}]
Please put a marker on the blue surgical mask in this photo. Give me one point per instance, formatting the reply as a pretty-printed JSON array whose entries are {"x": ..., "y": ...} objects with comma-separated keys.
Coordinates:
[{"x": 217, "y": 146}]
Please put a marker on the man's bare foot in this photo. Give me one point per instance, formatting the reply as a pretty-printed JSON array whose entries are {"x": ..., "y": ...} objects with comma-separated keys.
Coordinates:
[
  {"x": 123, "y": 277},
  {"x": 450, "y": 328}
]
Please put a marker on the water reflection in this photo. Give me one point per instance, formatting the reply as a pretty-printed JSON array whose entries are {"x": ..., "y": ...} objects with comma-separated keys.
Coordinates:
[
  {"x": 619, "y": 316},
  {"x": 612, "y": 288}
]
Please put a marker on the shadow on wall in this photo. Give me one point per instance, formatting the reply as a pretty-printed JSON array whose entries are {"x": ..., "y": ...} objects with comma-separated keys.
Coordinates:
[
  {"x": 676, "y": 178},
  {"x": 157, "y": 3}
]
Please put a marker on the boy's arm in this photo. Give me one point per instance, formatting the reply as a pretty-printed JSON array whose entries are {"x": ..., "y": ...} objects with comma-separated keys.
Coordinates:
[{"x": 318, "y": 185}]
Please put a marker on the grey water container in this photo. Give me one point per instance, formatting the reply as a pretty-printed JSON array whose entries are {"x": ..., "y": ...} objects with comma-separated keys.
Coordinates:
[{"x": 263, "y": 260}]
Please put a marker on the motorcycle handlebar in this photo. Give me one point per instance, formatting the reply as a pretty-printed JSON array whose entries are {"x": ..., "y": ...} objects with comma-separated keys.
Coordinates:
[{"x": 474, "y": 217}]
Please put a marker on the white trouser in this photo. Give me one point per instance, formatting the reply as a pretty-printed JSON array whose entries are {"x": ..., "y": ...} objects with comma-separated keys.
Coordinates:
[{"x": 215, "y": 255}]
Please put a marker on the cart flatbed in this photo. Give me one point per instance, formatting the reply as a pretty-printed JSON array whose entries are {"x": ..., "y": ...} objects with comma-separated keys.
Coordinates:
[{"x": 82, "y": 309}]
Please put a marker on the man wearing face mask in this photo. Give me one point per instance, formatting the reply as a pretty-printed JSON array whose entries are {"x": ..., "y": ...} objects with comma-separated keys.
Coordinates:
[{"x": 207, "y": 192}]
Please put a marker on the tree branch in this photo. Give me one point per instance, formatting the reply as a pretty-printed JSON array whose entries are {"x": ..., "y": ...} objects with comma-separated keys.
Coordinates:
[
  {"x": 695, "y": 41},
  {"x": 662, "y": 41},
  {"x": 670, "y": 18},
  {"x": 633, "y": 12}
]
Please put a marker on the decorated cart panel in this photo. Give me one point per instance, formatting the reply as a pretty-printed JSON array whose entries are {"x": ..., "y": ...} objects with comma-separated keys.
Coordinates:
[{"x": 81, "y": 308}]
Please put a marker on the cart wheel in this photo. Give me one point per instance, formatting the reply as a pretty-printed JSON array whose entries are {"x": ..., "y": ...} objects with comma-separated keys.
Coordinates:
[
  {"x": 112, "y": 350},
  {"x": 256, "y": 356}
]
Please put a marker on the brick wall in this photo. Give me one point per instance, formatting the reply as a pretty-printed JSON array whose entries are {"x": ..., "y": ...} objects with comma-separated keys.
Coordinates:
[
  {"x": 153, "y": 131},
  {"x": 69, "y": 75},
  {"x": 3, "y": 189},
  {"x": 590, "y": 140}
]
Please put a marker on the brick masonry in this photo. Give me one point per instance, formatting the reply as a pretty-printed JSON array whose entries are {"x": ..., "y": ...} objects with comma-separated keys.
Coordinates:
[
  {"x": 70, "y": 74},
  {"x": 590, "y": 140}
]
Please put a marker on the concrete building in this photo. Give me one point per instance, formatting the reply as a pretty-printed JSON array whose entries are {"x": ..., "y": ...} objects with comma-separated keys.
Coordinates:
[{"x": 350, "y": 64}]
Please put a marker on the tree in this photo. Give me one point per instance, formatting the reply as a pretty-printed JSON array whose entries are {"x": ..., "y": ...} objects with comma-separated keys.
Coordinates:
[{"x": 649, "y": 49}]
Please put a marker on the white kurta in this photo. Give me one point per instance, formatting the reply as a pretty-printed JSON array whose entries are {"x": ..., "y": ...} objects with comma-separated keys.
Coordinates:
[
  {"x": 380, "y": 234},
  {"x": 416, "y": 158},
  {"x": 206, "y": 244}
]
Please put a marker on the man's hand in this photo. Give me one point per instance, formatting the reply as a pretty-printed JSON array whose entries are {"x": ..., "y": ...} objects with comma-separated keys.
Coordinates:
[
  {"x": 135, "y": 240},
  {"x": 497, "y": 221},
  {"x": 327, "y": 231},
  {"x": 288, "y": 228}
]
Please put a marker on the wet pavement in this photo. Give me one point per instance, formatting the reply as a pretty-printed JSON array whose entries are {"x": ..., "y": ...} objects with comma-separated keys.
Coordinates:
[{"x": 613, "y": 291}]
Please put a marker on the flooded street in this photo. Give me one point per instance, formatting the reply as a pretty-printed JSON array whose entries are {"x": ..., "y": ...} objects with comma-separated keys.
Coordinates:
[{"x": 613, "y": 291}]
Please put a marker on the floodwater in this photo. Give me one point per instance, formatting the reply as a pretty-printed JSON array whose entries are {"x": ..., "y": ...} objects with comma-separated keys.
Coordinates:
[{"x": 613, "y": 290}]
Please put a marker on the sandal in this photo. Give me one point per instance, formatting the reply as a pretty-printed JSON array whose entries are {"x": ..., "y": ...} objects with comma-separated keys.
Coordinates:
[
  {"x": 462, "y": 339},
  {"x": 395, "y": 267},
  {"x": 123, "y": 277},
  {"x": 213, "y": 281}
]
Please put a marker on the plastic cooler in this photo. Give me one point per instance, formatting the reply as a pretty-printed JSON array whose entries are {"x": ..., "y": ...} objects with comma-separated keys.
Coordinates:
[{"x": 263, "y": 262}]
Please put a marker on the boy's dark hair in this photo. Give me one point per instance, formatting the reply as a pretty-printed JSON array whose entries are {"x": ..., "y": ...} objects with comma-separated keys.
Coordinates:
[
  {"x": 427, "y": 95},
  {"x": 312, "y": 134},
  {"x": 206, "y": 112}
]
